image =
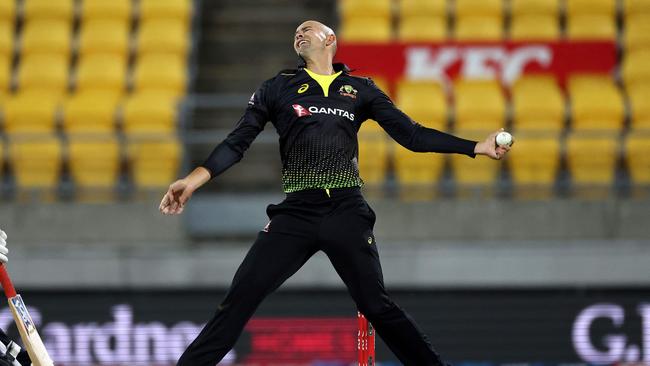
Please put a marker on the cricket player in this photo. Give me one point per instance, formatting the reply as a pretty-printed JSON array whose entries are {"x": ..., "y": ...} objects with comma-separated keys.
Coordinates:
[
  {"x": 10, "y": 353},
  {"x": 317, "y": 110}
]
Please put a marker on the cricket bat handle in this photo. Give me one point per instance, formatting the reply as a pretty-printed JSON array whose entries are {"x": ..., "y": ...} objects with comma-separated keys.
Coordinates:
[{"x": 7, "y": 285}]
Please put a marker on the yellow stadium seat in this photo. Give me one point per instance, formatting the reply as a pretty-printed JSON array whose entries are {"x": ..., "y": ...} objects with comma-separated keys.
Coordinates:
[
  {"x": 6, "y": 38},
  {"x": 639, "y": 98},
  {"x": 49, "y": 9},
  {"x": 46, "y": 36},
  {"x": 591, "y": 160},
  {"x": 30, "y": 112},
  {"x": 90, "y": 112},
  {"x": 94, "y": 160},
  {"x": 150, "y": 112},
  {"x": 636, "y": 68},
  {"x": 637, "y": 150},
  {"x": 7, "y": 11},
  {"x": 631, "y": 7},
  {"x": 486, "y": 8},
  {"x": 591, "y": 27},
  {"x": 479, "y": 28},
  {"x": 154, "y": 161},
  {"x": 365, "y": 8},
  {"x": 370, "y": 128},
  {"x": 160, "y": 72},
  {"x": 166, "y": 9},
  {"x": 598, "y": 7},
  {"x": 479, "y": 105},
  {"x": 117, "y": 10},
  {"x": 101, "y": 72},
  {"x": 422, "y": 8},
  {"x": 596, "y": 103},
  {"x": 537, "y": 104},
  {"x": 5, "y": 75},
  {"x": 535, "y": 160},
  {"x": 415, "y": 168},
  {"x": 535, "y": 27},
  {"x": 44, "y": 72},
  {"x": 637, "y": 32},
  {"x": 480, "y": 171},
  {"x": 425, "y": 102},
  {"x": 373, "y": 158},
  {"x": 535, "y": 7},
  {"x": 36, "y": 161},
  {"x": 366, "y": 29},
  {"x": 105, "y": 37},
  {"x": 163, "y": 36},
  {"x": 422, "y": 29}
]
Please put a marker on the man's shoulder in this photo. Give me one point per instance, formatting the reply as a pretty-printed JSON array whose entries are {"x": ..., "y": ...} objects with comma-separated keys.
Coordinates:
[{"x": 281, "y": 78}]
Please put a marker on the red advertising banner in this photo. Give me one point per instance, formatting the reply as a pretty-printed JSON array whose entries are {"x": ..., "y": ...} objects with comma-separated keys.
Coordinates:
[{"x": 506, "y": 61}]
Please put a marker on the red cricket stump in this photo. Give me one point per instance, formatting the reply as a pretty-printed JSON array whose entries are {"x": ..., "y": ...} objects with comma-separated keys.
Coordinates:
[{"x": 365, "y": 341}]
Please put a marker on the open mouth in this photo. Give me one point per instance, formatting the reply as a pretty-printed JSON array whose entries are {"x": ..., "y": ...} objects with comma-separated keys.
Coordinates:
[{"x": 302, "y": 42}]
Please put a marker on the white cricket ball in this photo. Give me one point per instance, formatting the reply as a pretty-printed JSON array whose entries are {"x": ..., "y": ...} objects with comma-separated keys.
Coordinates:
[{"x": 504, "y": 139}]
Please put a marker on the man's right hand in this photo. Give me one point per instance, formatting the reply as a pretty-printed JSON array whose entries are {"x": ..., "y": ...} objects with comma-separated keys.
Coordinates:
[{"x": 177, "y": 195}]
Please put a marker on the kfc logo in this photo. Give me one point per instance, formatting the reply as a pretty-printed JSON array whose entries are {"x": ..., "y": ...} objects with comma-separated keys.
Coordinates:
[{"x": 300, "y": 110}]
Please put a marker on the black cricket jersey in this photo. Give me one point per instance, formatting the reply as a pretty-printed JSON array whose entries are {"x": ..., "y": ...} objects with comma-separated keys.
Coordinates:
[{"x": 317, "y": 118}]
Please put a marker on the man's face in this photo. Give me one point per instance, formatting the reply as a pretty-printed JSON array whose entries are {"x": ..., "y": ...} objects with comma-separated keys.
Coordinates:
[{"x": 309, "y": 36}]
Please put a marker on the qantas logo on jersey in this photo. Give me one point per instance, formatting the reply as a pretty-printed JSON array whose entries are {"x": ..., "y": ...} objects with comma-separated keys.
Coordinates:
[{"x": 302, "y": 111}]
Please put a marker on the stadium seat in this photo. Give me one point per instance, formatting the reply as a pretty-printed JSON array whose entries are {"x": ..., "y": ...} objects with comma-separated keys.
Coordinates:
[
  {"x": 479, "y": 105},
  {"x": 425, "y": 102},
  {"x": 163, "y": 36},
  {"x": 534, "y": 28},
  {"x": 35, "y": 161},
  {"x": 370, "y": 128},
  {"x": 639, "y": 98},
  {"x": 637, "y": 149},
  {"x": 486, "y": 8},
  {"x": 101, "y": 72},
  {"x": 46, "y": 36},
  {"x": 5, "y": 76},
  {"x": 45, "y": 72},
  {"x": 373, "y": 157},
  {"x": 149, "y": 112},
  {"x": 535, "y": 160},
  {"x": 596, "y": 103},
  {"x": 6, "y": 38},
  {"x": 591, "y": 160},
  {"x": 633, "y": 7},
  {"x": 599, "y": 7},
  {"x": 104, "y": 37},
  {"x": 116, "y": 10},
  {"x": 423, "y": 8},
  {"x": 479, "y": 28},
  {"x": 367, "y": 29},
  {"x": 30, "y": 112},
  {"x": 7, "y": 12},
  {"x": 422, "y": 29},
  {"x": 636, "y": 68},
  {"x": 160, "y": 72},
  {"x": 535, "y": 8},
  {"x": 591, "y": 27},
  {"x": 365, "y": 8},
  {"x": 90, "y": 112},
  {"x": 478, "y": 172},
  {"x": 154, "y": 161},
  {"x": 94, "y": 160},
  {"x": 637, "y": 32},
  {"x": 417, "y": 169},
  {"x": 528, "y": 113},
  {"x": 166, "y": 9},
  {"x": 49, "y": 9}
]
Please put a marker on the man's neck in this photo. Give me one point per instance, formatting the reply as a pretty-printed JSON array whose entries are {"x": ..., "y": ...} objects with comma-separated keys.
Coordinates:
[{"x": 321, "y": 66}]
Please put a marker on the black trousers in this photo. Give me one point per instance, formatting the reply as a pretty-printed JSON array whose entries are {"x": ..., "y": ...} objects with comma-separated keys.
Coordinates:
[{"x": 339, "y": 222}]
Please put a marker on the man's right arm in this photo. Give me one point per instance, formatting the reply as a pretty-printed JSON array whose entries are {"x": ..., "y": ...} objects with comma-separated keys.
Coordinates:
[{"x": 226, "y": 154}]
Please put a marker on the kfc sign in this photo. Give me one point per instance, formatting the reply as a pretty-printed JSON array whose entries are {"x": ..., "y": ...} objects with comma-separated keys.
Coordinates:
[{"x": 505, "y": 61}]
